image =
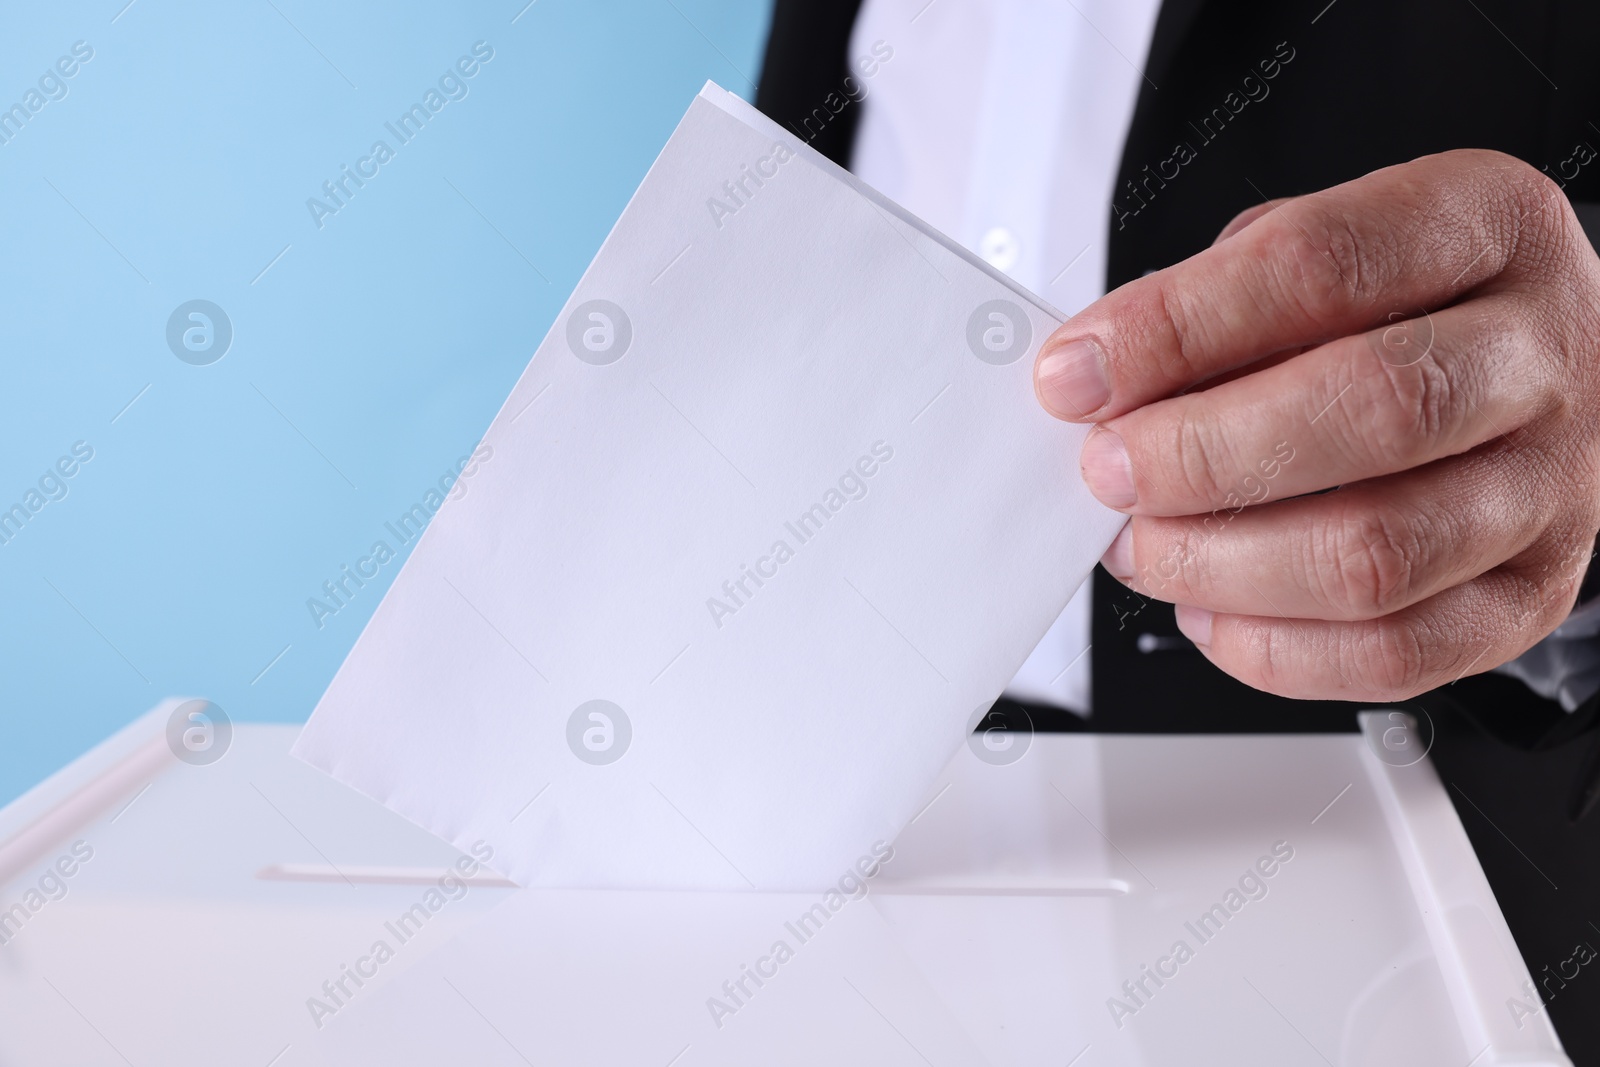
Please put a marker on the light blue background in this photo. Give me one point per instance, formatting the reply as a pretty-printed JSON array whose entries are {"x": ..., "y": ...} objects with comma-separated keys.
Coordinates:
[{"x": 177, "y": 167}]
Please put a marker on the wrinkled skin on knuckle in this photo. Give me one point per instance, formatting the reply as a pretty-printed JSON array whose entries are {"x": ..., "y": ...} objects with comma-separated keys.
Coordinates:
[
  {"x": 1327, "y": 261},
  {"x": 1585, "y": 508},
  {"x": 1193, "y": 449},
  {"x": 1369, "y": 565},
  {"x": 1564, "y": 320},
  {"x": 1180, "y": 326},
  {"x": 1262, "y": 661},
  {"x": 1550, "y": 334},
  {"x": 1169, "y": 562},
  {"x": 1560, "y": 597},
  {"x": 1394, "y": 658},
  {"x": 1545, "y": 594},
  {"x": 1347, "y": 403},
  {"x": 1555, "y": 496},
  {"x": 1544, "y": 228},
  {"x": 1522, "y": 612},
  {"x": 1566, "y": 333},
  {"x": 1487, "y": 197},
  {"x": 1407, "y": 410},
  {"x": 1563, "y": 442}
]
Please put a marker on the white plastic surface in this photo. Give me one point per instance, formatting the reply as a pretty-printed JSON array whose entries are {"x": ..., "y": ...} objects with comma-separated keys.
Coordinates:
[{"x": 1001, "y": 931}]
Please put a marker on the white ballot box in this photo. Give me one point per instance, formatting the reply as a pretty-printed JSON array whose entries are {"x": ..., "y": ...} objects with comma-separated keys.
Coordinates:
[{"x": 1061, "y": 899}]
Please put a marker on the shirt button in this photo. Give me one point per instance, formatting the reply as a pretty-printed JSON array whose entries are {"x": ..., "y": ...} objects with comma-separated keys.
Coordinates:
[{"x": 1000, "y": 248}]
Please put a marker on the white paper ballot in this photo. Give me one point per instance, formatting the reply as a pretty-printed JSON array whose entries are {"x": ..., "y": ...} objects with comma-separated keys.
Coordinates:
[{"x": 772, "y": 513}]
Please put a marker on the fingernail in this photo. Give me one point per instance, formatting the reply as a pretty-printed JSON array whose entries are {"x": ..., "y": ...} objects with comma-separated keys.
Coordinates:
[
  {"x": 1118, "y": 560},
  {"x": 1106, "y": 469},
  {"x": 1071, "y": 380},
  {"x": 1195, "y": 624}
]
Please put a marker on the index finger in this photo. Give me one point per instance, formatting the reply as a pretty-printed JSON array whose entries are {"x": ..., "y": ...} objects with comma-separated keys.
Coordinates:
[{"x": 1316, "y": 268}]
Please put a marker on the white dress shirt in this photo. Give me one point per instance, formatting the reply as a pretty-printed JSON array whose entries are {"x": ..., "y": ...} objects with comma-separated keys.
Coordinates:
[{"x": 1001, "y": 123}]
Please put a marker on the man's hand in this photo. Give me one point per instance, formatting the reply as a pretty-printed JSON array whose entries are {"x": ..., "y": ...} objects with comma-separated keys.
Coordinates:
[{"x": 1425, "y": 342}]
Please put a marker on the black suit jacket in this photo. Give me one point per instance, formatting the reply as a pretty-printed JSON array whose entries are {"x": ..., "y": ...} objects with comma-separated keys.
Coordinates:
[{"x": 1356, "y": 85}]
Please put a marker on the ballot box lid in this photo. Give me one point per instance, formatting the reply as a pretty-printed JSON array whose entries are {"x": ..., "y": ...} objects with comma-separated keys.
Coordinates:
[{"x": 1060, "y": 898}]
